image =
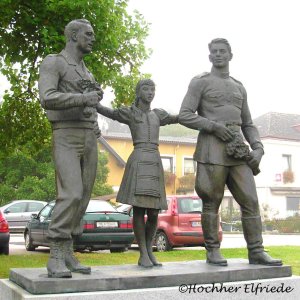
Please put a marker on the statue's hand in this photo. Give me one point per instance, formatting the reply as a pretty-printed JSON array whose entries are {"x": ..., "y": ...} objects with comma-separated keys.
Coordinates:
[
  {"x": 222, "y": 132},
  {"x": 88, "y": 111},
  {"x": 97, "y": 130},
  {"x": 91, "y": 99},
  {"x": 100, "y": 93},
  {"x": 255, "y": 158}
]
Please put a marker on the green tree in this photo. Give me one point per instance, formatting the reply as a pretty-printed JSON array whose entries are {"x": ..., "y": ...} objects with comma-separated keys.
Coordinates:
[
  {"x": 186, "y": 184},
  {"x": 30, "y": 30},
  {"x": 100, "y": 186},
  {"x": 27, "y": 176},
  {"x": 7, "y": 194}
]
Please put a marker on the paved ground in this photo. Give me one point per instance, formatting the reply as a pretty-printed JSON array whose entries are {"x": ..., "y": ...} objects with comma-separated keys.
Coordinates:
[{"x": 229, "y": 241}]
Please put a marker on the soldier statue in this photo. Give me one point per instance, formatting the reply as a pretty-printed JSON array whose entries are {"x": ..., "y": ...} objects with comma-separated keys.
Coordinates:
[
  {"x": 69, "y": 94},
  {"x": 216, "y": 105}
]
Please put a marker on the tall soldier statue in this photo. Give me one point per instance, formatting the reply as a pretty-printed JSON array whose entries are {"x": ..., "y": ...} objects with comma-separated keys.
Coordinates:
[
  {"x": 69, "y": 94},
  {"x": 216, "y": 105}
]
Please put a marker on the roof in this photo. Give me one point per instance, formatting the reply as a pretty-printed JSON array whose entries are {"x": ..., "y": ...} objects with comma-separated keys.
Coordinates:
[
  {"x": 272, "y": 125},
  {"x": 105, "y": 144},
  {"x": 166, "y": 139},
  {"x": 278, "y": 126}
]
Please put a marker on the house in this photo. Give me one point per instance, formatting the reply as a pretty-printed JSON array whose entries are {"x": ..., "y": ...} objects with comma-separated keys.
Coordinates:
[
  {"x": 176, "y": 154},
  {"x": 278, "y": 184}
]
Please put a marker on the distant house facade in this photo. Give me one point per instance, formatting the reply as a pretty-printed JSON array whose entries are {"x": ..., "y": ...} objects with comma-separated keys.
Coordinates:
[
  {"x": 176, "y": 154},
  {"x": 278, "y": 184}
]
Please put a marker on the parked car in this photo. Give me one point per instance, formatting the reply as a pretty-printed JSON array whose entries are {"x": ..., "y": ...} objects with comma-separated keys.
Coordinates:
[
  {"x": 104, "y": 228},
  {"x": 4, "y": 235},
  {"x": 18, "y": 213},
  {"x": 123, "y": 207},
  {"x": 180, "y": 224}
]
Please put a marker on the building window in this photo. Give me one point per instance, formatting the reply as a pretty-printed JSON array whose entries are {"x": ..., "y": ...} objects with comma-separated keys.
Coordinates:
[
  {"x": 292, "y": 205},
  {"x": 287, "y": 162},
  {"x": 287, "y": 174},
  {"x": 189, "y": 166},
  {"x": 167, "y": 163}
]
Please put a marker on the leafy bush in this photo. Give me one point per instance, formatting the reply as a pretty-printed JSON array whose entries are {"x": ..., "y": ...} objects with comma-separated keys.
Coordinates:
[
  {"x": 288, "y": 225},
  {"x": 186, "y": 184}
]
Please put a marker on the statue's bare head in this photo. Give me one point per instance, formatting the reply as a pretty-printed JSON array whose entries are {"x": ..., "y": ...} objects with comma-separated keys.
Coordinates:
[
  {"x": 80, "y": 34},
  {"x": 74, "y": 26},
  {"x": 220, "y": 53},
  {"x": 219, "y": 41},
  {"x": 145, "y": 91}
]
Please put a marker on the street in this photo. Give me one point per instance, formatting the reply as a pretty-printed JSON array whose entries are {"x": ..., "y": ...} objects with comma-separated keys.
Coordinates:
[{"x": 229, "y": 241}]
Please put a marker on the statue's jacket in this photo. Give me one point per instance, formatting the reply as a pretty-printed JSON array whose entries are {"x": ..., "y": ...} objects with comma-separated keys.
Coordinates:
[
  {"x": 213, "y": 99},
  {"x": 62, "y": 85}
]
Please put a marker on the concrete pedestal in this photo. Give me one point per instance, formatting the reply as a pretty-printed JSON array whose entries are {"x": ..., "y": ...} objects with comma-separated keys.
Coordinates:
[{"x": 184, "y": 278}]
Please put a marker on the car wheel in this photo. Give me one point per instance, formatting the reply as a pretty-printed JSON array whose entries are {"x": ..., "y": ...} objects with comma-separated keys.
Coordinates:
[
  {"x": 4, "y": 250},
  {"x": 162, "y": 242},
  {"x": 118, "y": 250},
  {"x": 28, "y": 242}
]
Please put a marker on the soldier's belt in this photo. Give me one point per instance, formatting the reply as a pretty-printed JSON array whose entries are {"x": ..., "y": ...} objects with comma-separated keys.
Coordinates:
[
  {"x": 146, "y": 145},
  {"x": 232, "y": 125},
  {"x": 72, "y": 124}
]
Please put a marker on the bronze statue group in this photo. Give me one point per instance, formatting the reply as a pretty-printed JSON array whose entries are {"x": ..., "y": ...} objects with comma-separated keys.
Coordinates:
[{"x": 215, "y": 105}]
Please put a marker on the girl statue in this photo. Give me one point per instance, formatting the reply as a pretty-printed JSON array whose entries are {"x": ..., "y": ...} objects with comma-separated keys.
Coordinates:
[{"x": 142, "y": 185}]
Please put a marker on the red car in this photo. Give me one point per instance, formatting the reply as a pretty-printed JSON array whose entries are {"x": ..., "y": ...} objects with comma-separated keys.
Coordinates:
[
  {"x": 180, "y": 224},
  {"x": 4, "y": 235}
]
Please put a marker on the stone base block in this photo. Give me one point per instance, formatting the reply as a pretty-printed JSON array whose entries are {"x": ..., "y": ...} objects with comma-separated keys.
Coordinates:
[
  {"x": 128, "y": 277},
  {"x": 287, "y": 288}
]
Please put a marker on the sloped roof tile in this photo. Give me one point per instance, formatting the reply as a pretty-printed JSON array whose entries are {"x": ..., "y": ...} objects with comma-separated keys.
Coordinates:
[{"x": 278, "y": 125}]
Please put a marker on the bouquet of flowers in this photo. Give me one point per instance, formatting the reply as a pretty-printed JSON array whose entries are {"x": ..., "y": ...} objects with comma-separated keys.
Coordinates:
[
  {"x": 237, "y": 149},
  {"x": 87, "y": 87}
]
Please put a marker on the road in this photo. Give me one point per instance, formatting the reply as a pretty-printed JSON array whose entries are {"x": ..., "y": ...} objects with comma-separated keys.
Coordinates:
[{"x": 229, "y": 241}]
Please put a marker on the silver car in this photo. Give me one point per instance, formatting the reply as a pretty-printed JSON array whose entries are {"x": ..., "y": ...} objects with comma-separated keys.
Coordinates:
[{"x": 18, "y": 213}]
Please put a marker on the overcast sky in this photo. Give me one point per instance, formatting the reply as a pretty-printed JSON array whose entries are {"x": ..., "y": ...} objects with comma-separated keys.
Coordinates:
[{"x": 264, "y": 36}]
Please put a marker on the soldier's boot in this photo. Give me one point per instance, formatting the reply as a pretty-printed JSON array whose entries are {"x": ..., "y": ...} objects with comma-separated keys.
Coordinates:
[
  {"x": 56, "y": 265},
  {"x": 252, "y": 228},
  {"x": 72, "y": 262},
  {"x": 210, "y": 227}
]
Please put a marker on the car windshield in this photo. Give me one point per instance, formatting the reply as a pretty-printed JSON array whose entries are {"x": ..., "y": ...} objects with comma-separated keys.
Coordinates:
[
  {"x": 46, "y": 210},
  {"x": 123, "y": 207},
  {"x": 100, "y": 206},
  {"x": 189, "y": 205}
]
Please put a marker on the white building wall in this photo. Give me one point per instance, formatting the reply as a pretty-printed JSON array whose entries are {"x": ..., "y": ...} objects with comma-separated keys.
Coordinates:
[
  {"x": 273, "y": 204},
  {"x": 272, "y": 162},
  {"x": 272, "y": 166}
]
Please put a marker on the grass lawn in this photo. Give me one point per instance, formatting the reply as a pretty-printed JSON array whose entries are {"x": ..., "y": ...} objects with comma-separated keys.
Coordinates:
[{"x": 289, "y": 254}]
